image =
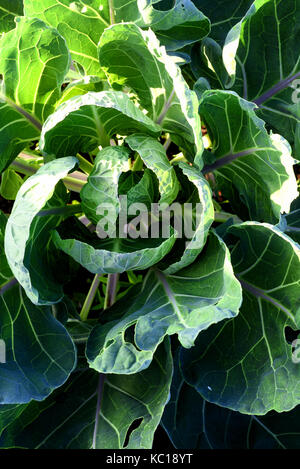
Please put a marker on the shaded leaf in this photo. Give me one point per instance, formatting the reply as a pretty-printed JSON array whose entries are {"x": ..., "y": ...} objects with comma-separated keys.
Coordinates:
[
  {"x": 246, "y": 364},
  {"x": 70, "y": 419},
  {"x": 40, "y": 354}
]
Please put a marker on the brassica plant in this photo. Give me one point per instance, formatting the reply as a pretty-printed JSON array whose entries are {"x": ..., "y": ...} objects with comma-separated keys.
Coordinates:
[{"x": 149, "y": 224}]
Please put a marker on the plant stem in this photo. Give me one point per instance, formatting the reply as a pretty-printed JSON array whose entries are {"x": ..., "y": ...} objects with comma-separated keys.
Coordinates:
[
  {"x": 98, "y": 408},
  {"x": 68, "y": 210},
  {"x": 111, "y": 11},
  {"x": 90, "y": 298},
  {"x": 111, "y": 290},
  {"x": 109, "y": 300},
  {"x": 23, "y": 164},
  {"x": 221, "y": 217},
  {"x": 85, "y": 165}
]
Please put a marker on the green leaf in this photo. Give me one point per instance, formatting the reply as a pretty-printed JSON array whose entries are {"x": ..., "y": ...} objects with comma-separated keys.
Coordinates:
[
  {"x": 10, "y": 184},
  {"x": 81, "y": 23},
  {"x": 80, "y": 87},
  {"x": 9, "y": 9},
  {"x": 5, "y": 272},
  {"x": 71, "y": 419},
  {"x": 139, "y": 187},
  {"x": 132, "y": 57},
  {"x": 223, "y": 14},
  {"x": 246, "y": 364},
  {"x": 183, "y": 303},
  {"x": 154, "y": 156},
  {"x": 259, "y": 166},
  {"x": 100, "y": 114},
  {"x": 278, "y": 47},
  {"x": 193, "y": 248},
  {"x": 291, "y": 222},
  {"x": 102, "y": 185},
  {"x": 191, "y": 422},
  {"x": 111, "y": 255},
  {"x": 40, "y": 354},
  {"x": 177, "y": 23},
  {"x": 33, "y": 61},
  {"x": 28, "y": 228},
  {"x": 178, "y": 26}
]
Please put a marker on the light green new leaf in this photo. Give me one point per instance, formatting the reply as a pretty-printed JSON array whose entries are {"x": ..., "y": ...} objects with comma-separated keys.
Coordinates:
[
  {"x": 258, "y": 165},
  {"x": 80, "y": 87},
  {"x": 27, "y": 232},
  {"x": 246, "y": 364},
  {"x": 204, "y": 220},
  {"x": 191, "y": 422},
  {"x": 9, "y": 9},
  {"x": 154, "y": 156},
  {"x": 33, "y": 61},
  {"x": 39, "y": 353},
  {"x": 110, "y": 255},
  {"x": 81, "y": 23},
  {"x": 132, "y": 57},
  {"x": 101, "y": 189},
  {"x": 270, "y": 32},
  {"x": 10, "y": 184},
  {"x": 71, "y": 419},
  {"x": 184, "y": 303},
  {"x": 84, "y": 122}
]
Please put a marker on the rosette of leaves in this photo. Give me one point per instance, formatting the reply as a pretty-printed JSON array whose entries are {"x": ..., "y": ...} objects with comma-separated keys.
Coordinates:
[{"x": 112, "y": 324}]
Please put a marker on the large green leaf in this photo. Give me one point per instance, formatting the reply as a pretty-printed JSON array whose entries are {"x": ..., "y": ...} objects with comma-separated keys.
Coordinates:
[
  {"x": 271, "y": 32},
  {"x": 192, "y": 248},
  {"x": 102, "y": 185},
  {"x": 259, "y": 166},
  {"x": 246, "y": 364},
  {"x": 40, "y": 354},
  {"x": 27, "y": 236},
  {"x": 110, "y": 255},
  {"x": 183, "y": 303},
  {"x": 191, "y": 422},
  {"x": 177, "y": 23},
  {"x": 71, "y": 418},
  {"x": 223, "y": 14},
  {"x": 9, "y": 9},
  {"x": 154, "y": 156},
  {"x": 97, "y": 115},
  {"x": 132, "y": 57},
  {"x": 28, "y": 97},
  {"x": 81, "y": 23}
]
